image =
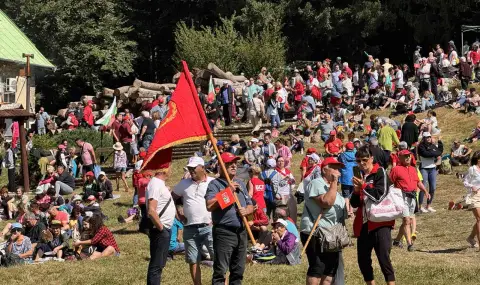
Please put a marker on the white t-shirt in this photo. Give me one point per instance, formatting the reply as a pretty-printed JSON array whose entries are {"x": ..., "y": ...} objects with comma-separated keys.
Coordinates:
[
  {"x": 157, "y": 190},
  {"x": 399, "y": 77},
  {"x": 458, "y": 151},
  {"x": 194, "y": 205}
]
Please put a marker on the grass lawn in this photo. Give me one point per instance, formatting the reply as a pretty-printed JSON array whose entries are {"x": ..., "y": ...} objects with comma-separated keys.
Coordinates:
[{"x": 441, "y": 256}]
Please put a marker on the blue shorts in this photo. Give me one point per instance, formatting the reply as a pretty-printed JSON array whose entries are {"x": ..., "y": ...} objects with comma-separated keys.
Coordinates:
[
  {"x": 120, "y": 169},
  {"x": 194, "y": 238},
  {"x": 347, "y": 191}
]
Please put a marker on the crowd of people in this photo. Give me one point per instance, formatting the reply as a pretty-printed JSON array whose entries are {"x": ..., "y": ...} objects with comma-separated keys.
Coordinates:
[{"x": 362, "y": 162}]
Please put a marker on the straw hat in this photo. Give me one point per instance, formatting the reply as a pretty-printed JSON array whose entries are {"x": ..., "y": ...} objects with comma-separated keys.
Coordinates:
[{"x": 117, "y": 146}]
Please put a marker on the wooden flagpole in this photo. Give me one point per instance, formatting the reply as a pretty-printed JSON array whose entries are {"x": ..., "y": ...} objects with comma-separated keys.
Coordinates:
[{"x": 213, "y": 141}]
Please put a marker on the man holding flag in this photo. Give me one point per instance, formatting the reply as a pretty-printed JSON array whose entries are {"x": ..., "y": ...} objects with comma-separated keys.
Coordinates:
[
  {"x": 185, "y": 113},
  {"x": 229, "y": 234}
]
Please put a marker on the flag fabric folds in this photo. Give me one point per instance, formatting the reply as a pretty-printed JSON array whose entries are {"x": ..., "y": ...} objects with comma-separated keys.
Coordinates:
[
  {"x": 211, "y": 91},
  {"x": 109, "y": 116},
  {"x": 185, "y": 122}
]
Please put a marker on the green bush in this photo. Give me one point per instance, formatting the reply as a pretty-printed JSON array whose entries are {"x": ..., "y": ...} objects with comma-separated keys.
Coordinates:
[
  {"x": 231, "y": 50},
  {"x": 91, "y": 136}
]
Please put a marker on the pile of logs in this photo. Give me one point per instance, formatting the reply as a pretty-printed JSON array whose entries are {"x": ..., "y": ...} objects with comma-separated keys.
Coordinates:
[
  {"x": 132, "y": 97},
  {"x": 202, "y": 77},
  {"x": 128, "y": 97}
]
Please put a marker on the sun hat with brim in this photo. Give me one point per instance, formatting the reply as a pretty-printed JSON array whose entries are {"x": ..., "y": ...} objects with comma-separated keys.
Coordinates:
[
  {"x": 356, "y": 140},
  {"x": 102, "y": 173},
  {"x": 404, "y": 152},
  {"x": 17, "y": 226},
  {"x": 77, "y": 198},
  {"x": 118, "y": 146},
  {"x": 61, "y": 146},
  {"x": 228, "y": 157},
  {"x": 314, "y": 156},
  {"x": 254, "y": 140},
  {"x": 332, "y": 161},
  {"x": 56, "y": 224},
  {"x": 39, "y": 191},
  {"x": 90, "y": 173},
  {"x": 427, "y": 135},
  {"x": 280, "y": 222}
]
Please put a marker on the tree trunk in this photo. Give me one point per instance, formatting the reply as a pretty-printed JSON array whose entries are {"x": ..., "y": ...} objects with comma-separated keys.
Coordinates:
[
  {"x": 85, "y": 98},
  {"x": 152, "y": 86},
  {"x": 239, "y": 78},
  {"x": 140, "y": 100},
  {"x": 107, "y": 92},
  {"x": 146, "y": 93},
  {"x": 120, "y": 90},
  {"x": 205, "y": 74}
]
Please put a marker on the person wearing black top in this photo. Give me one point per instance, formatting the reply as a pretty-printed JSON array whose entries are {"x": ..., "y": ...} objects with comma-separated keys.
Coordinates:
[
  {"x": 147, "y": 130},
  {"x": 34, "y": 228},
  {"x": 65, "y": 182},
  {"x": 410, "y": 131},
  {"x": 378, "y": 153},
  {"x": 211, "y": 110}
]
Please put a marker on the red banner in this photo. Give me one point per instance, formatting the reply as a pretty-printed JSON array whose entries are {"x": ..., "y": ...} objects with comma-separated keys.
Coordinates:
[{"x": 185, "y": 122}]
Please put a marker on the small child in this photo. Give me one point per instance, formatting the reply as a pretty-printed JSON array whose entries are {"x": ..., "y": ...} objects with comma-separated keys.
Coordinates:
[{"x": 120, "y": 165}]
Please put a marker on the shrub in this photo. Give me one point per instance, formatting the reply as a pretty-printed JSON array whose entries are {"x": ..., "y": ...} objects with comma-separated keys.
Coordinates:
[{"x": 91, "y": 136}]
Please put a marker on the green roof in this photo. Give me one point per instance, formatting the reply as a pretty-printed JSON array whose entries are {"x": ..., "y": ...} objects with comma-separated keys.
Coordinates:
[{"x": 13, "y": 43}]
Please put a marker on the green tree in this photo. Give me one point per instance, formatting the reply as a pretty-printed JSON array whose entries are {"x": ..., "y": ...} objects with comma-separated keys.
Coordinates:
[{"x": 85, "y": 39}]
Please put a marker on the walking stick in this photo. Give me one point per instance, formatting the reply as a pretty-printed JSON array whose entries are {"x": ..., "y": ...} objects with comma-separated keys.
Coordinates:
[{"x": 311, "y": 233}]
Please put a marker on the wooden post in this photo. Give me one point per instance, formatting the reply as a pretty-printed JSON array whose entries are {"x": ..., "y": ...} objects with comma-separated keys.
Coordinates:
[
  {"x": 23, "y": 149},
  {"x": 27, "y": 76}
]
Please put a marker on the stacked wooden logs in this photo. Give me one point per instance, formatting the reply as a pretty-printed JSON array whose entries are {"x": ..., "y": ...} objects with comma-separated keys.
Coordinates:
[
  {"x": 128, "y": 97},
  {"x": 202, "y": 78}
]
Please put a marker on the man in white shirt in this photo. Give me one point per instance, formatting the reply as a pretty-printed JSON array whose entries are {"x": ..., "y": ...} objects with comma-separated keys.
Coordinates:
[
  {"x": 161, "y": 211},
  {"x": 198, "y": 221}
]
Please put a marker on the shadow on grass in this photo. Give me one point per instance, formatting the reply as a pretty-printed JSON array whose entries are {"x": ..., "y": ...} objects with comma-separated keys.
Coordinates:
[
  {"x": 122, "y": 204},
  {"x": 125, "y": 231},
  {"x": 447, "y": 250}
]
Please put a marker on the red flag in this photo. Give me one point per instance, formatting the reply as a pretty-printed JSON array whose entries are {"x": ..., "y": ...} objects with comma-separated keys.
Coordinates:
[{"x": 185, "y": 122}]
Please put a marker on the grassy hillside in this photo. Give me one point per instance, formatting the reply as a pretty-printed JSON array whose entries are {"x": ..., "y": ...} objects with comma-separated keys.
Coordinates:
[{"x": 441, "y": 256}]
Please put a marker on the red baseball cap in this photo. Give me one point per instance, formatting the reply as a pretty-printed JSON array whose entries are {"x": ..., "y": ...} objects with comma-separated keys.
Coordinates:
[
  {"x": 350, "y": 146},
  {"x": 404, "y": 152},
  {"x": 311, "y": 150},
  {"x": 333, "y": 133},
  {"x": 142, "y": 154},
  {"x": 90, "y": 173},
  {"x": 228, "y": 157},
  {"x": 332, "y": 161}
]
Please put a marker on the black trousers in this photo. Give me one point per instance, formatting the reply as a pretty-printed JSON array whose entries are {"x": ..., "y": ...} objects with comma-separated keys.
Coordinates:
[
  {"x": 455, "y": 161},
  {"x": 380, "y": 240},
  {"x": 226, "y": 114},
  {"x": 11, "y": 180},
  {"x": 230, "y": 250},
  {"x": 433, "y": 87},
  {"x": 159, "y": 243}
]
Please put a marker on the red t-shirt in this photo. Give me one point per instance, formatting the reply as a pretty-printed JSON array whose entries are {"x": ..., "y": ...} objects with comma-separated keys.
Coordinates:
[
  {"x": 267, "y": 94},
  {"x": 62, "y": 217},
  {"x": 333, "y": 146},
  {"x": 404, "y": 178},
  {"x": 304, "y": 163},
  {"x": 349, "y": 72},
  {"x": 475, "y": 56},
  {"x": 116, "y": 129},
  {"x": 258, "y": 190},
  {"x": 142, "y": 186},
  {"x": 124, "y": 131},
  {"x": 321, "y": 73},
  {"x": 394, "y": 159}
]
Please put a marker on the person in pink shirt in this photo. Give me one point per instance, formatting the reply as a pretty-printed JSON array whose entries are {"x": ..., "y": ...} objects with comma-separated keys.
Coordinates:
[
  {"x": 142, "y": 186},
  {"x": 284, "y": 151},
  {"x": 88, "y": 156},
  {"x": 15, "y": 134}
]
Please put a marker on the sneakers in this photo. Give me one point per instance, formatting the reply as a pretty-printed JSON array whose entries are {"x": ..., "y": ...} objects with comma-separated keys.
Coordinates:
[
  {"x": 473, "y": 243},
  {"x": 431, "y": 210},
  {"x": 411, "y": 247},
  {"x": 397, "y": 243},
  {"x": 414, "y": 237},
  {"x": 423, "y": 210}
]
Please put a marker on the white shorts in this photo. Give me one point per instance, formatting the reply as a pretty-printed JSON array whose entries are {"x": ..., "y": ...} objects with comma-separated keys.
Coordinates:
[{"x": 409, "y": 207}]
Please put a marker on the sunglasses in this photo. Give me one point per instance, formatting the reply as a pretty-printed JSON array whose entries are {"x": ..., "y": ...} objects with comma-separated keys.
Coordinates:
[
  {"x": 16, "y": 231},
  {"x": 362, "y": 160}
]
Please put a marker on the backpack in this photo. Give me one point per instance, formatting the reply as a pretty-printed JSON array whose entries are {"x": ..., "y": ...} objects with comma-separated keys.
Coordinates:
[
  {"x": 445, "y": 167},
  {"x": 268, "y": 194}
]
